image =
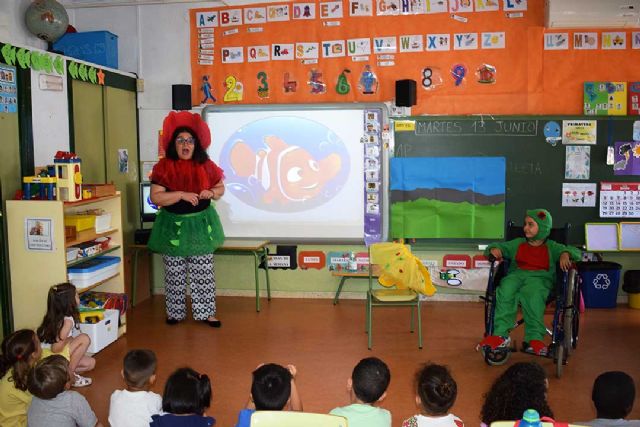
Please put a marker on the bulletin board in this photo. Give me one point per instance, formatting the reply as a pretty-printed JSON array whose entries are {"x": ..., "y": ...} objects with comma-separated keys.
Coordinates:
[
  {"x": 535, "y": 169},
  {"x": 630, "y": 236},
  {"x": 448, "y": 47},
  {"x": 601, "y": 236}
]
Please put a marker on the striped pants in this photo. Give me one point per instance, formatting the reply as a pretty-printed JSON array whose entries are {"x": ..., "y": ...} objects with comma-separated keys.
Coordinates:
[{"x": 198, "y": 271}]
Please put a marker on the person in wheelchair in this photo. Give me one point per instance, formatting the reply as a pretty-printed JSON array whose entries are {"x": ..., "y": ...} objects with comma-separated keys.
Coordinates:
[{"x": 529, "y": 281}]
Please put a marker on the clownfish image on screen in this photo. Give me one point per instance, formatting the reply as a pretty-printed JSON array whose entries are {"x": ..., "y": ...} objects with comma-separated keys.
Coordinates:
[
  {"x": 269, "y": 166},
  {"x": 291, "y": 172}
]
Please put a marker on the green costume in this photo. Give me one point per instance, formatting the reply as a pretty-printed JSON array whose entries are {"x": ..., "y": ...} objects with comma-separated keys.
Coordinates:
[{"x": 525, "y": 286}]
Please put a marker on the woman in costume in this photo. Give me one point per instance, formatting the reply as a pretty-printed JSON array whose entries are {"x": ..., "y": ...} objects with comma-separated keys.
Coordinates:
[{"x": 187, "y": 229}]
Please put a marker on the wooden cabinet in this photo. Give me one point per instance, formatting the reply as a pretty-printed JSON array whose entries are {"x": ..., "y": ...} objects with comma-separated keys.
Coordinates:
[{"x": 34, "y": 271}]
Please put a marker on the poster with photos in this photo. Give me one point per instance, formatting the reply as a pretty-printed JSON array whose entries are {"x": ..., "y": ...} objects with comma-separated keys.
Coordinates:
[{"x": 372, "y": 175}]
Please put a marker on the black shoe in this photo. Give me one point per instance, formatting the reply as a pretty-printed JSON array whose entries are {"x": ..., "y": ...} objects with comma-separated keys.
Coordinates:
[
  {"x": 213, "y": 323},
  {"x": 171, "y": 321}
]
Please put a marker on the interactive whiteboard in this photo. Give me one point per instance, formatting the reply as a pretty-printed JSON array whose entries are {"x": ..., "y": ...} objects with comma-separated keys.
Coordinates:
[
  {"x": 630, "y": 236},
  {"x": 292, "y": 172},
  {"x": 601, "y": 236}
]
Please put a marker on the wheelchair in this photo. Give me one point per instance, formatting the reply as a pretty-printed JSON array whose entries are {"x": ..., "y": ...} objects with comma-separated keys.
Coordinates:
[{"x": 565, "y": 294}]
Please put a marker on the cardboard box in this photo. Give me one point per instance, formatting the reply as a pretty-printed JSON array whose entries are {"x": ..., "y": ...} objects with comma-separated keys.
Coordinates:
[
  {"x": 102, "y": 333},
  {"x": 99, "y": 190},
  {"x": 98, "y": 47}
]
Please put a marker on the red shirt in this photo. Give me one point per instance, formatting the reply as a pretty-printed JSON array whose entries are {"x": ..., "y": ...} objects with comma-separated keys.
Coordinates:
[{"x": 532, "y": 257}]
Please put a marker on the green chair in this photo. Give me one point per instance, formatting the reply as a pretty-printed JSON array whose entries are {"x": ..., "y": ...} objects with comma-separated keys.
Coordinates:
[{"x": 404, "y": 277}]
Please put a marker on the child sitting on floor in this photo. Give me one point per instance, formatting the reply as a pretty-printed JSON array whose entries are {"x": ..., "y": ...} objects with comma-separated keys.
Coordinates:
[
  {"x": 20, "y": 351},
  {"x": 436, "y": 393},
  {"x": 273, "y": 389},
  {"x": 367, "y": 386},
  {"x": 59, "y": 332},
  {"x": 522, "y": 386},
  {"x": 613, "y": 395},
  {"x": 531, "y": 276},
  {"x": 53, "y": 404},
  {"x": 187, "y": 394},
  {"x": 135, "y": 405}
]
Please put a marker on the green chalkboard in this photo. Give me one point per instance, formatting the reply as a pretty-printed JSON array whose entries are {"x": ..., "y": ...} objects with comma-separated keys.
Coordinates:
[{"x": 535, "y": 168}]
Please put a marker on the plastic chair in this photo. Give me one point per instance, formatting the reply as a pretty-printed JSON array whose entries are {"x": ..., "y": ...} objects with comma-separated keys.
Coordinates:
[
  {"x": 405, "y": 278},
  {"x": 295, "y": 419}
]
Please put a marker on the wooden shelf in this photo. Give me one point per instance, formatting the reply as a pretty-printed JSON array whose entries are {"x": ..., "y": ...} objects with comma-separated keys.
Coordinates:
[
  {"x": 95, "y": 285},
  {"x": 88, "y": 201},
  {"x": 87, "y": 235},
  {"x": 86, "y": 258}
]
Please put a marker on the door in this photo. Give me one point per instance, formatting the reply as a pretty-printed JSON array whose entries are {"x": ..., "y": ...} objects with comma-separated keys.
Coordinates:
[
  {"x": 121, "y": 137},
  {"x": 88, "y": 128},
  {"x": 10, "y": 177}
]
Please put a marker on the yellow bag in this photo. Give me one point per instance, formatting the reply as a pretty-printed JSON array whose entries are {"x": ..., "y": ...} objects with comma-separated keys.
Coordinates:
[{"x": 400, "y": 268}]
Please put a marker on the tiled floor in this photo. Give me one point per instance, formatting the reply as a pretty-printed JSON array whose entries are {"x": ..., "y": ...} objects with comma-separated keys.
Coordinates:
[{"x": 325, "y": 341}]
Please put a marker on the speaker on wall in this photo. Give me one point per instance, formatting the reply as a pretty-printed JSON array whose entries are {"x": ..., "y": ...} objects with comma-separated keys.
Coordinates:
[
  {"x": 181, "y": 97},
  {"x": 405, "y": 93}
]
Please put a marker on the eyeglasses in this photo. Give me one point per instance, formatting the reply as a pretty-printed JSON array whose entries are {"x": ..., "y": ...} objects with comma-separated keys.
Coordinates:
[{"x": 190, "y": 140}]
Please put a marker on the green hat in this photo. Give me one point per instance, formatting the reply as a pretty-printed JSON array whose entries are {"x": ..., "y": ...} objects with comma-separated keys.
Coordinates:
[{"x": 543, "y": 218}]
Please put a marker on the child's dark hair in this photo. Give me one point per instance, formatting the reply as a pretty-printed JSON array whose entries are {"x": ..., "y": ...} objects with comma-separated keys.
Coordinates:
[
  {"x": 186, "y": 392},
  {"x": 437, "y": 389},
  {"x": 49, "y": 377},
  {"x": 139, "y": 366},
  {"x": 370, "y": 379},
  {"x": 61, "y": 303},
  {"x": 522, "y": 386},
  {"x": 16, "y": 351},
  {"x": 199, "y": 154},
  {"x": 613, "y": 395},
  {"x": 271, "y": 387}
]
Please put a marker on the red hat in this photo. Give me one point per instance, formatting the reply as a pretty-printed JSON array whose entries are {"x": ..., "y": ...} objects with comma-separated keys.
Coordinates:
[{"x": 193, "y": 121}]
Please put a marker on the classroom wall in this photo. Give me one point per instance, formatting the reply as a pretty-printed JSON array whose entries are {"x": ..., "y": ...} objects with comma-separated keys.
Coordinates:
[{"x": 154, "y": 44}]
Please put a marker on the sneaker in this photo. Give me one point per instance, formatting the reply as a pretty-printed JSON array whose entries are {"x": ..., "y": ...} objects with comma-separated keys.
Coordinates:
[
  {"x": 536, "y": 347},
  {"x": 495, "y": 342},
  {"x": 81, "y": 381}
]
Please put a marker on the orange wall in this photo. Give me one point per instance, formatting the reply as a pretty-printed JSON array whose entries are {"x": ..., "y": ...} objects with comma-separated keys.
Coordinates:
[{"x": 530, "y": 80}]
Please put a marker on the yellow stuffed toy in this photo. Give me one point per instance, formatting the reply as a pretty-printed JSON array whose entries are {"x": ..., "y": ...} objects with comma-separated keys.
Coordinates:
[{"x": 400, "y": 268}]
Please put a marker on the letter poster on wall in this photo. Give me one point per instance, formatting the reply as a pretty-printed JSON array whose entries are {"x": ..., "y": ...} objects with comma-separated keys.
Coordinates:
[{"x": 318, "y": 52}]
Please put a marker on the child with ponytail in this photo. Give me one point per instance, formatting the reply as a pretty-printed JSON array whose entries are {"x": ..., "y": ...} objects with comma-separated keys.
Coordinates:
[{"x": 20, "y": 351}]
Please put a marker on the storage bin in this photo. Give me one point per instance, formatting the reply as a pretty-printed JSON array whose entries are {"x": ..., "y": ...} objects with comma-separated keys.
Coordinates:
[
  {"x": 88, "y": 248},
  {"x": 600, "y": 283},
  {"x": 98, "y": 47},
  {"x": 80, "y": 222},
  {"x": 102, "y": 333},
  {"x": 93, "y": 271},
  {"x": 103, "y": 222},
  {"x": 631, "y": 286}
]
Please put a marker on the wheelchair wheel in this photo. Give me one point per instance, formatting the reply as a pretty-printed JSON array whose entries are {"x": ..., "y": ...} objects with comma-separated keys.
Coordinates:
[
  {"x": 558, "y": 359},
  {"x": 496, "y": 357},
  {"x": 574, "y": 329}
]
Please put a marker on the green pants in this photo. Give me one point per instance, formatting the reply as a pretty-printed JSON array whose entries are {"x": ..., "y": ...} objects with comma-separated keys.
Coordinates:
[{"x": 528, "y": 289}]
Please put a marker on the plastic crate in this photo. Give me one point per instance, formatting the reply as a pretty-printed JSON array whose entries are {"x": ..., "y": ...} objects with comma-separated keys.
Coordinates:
[
  {"x": 102, "y": 333},
  {"x": 98, "y": 47},
  {"x": 600, "y": 282},
  {"x": 93, "y": 271}
]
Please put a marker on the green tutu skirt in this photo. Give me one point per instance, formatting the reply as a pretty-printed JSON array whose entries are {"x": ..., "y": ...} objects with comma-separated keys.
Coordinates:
[{"x": 186, "y": 234}]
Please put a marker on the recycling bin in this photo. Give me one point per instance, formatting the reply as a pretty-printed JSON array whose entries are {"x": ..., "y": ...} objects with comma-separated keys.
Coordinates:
[{"x": 600, "y": 282}]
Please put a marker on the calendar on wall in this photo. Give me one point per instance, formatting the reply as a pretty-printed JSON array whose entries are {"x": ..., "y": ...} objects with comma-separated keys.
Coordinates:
[{"x": 620, "y": 199}]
